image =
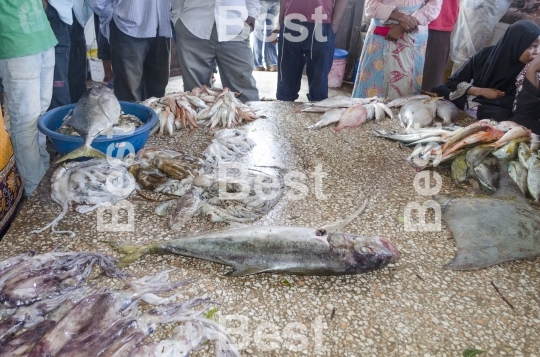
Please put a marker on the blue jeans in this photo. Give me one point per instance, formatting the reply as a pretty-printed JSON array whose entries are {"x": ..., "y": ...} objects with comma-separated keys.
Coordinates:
[
  {"x": 268, "y": 17},
  {"x": 28, "y": 83},
  {"x": 310, "y": 49}
]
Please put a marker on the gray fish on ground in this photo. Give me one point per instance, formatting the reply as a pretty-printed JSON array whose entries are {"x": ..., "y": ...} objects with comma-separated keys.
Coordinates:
[
  {"x": 447, "y": 111},
  {"x": 185, "y": 208},
  {"x": 418, "y": 113},
  {"x": 279, "y": 249},
  {"x": 509, "y": 150},
  {"x": 331, "y": 116},
  {"x": 508, "y": 230},
  {"x": 97, "y": 111},
  {"x": 519, "y": 173},
  {"x": 533, "y": 177},
  {"x": 477, "y": 154},
  {"x": 487, "y": 173},
  {"x": 524, "y": 154}
]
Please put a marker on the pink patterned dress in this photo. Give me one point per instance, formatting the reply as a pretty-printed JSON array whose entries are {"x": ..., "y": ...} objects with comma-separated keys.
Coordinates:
[{"x": 394, "y": 69}]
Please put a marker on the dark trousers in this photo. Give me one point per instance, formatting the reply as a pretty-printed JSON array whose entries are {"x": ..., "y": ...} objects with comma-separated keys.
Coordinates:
[
  {"x": 103, "y": 47},
  {"x": 140, "y": 65},
  {"x": 437, "y": 51},
  {"x": 61, "y": 30},
  {"x": 77, "y": 71},
  {"x": 293, "y": 54}
]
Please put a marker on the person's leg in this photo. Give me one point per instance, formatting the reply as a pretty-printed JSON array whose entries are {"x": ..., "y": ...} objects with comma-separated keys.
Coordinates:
[
  {"x": 61, "y": 85},
  {"x": 270, "y": 50},
  {"x": 27, "y": 95},
  {"x": 127, "y": 57},
  {"x": 104, "y": 52},
  {"x": 77, "y": 71},
  {"x": 157, "y": 67},
  {"x": 46, "y": 92},
  {"x": 258, "y": 38},
  {"x": 319, "y": 58},
  {"x": 437, "y": 51},
  {"x": 235, "y": 63},
  {"x": 196, "y": 57},
  {"x": 290, "y": 64}
]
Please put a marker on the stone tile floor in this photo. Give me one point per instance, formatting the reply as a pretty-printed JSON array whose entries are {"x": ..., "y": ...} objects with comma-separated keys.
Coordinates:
[{"x": 411, "y": 308}]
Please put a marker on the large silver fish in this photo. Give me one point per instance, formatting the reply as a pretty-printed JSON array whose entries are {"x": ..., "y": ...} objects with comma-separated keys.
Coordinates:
[
  {"x": 447, "y": 111},
  {"x": 279, "y": 249},
  {"x": 97, "y": 111},
  {"x": 491, "y": 230},
  {"x": 418, "y": 113}
]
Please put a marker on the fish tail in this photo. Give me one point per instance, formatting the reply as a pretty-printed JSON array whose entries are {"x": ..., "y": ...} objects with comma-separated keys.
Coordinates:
[
  {"x": 132, "y": 252},
  {"x": 83, "y": 151}
]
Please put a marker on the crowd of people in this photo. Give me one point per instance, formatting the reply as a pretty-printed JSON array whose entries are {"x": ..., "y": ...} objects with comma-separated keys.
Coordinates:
[{"x": 43, "y": 56}]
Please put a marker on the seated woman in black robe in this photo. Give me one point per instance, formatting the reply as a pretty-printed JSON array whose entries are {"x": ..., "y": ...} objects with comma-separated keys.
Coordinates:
[
  {"x": 488, "y": 80},
  {"x": 527, "y": 103}
]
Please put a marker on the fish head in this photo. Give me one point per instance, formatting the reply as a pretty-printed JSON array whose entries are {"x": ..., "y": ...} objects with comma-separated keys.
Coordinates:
[{"x": 363, "y": 253}]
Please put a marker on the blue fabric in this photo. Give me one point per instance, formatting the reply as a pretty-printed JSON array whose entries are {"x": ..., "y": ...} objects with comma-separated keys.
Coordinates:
[
  {"x": 268, "y": 15},
  {"x": 292, "y": 55}
]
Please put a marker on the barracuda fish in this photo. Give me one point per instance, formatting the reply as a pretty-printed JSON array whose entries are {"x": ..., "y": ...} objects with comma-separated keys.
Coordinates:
[
  {"x": 279, "y": 249},
  {"x": 508, "y": 230},
  {"x": 404, "y": 138},
  {"x": 97, "y": 111}
]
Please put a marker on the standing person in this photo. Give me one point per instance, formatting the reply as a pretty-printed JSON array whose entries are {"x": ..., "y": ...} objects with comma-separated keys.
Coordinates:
[
  {"x": 264, "y": 25},
  {"x": 104, "y": 53},
  {"x": 216, "y": 31},
  {"x": 27, "y": 69},
  {"x": 392, "y": 58},
  {"x": 139, "y": 34},
  {"x": 438, "y": 44},
  {"x": 307, "y": 37},
  {"x": 487, "y": 81}
]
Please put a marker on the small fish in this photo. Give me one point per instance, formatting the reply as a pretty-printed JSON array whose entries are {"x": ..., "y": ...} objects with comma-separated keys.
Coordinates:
[
  {"x": 487, "y": 173},
  {"x": 398, "y": 102},
  {"x": 352, "y": 117},
  {"x": 447, "y": 111},
  {"x": 477, "y": 154},
  {"x": 509, "y": 150},
  {"x": 331, "y": 116},
  {"x": 533, "y": 177},
  {"x": 98, "y": 110},
  {"x": 524, "y": 153},
  {"x": 460, "y": 169},
  {"x": 519, "y": 173},
  {"x": 184, "y": 208}
]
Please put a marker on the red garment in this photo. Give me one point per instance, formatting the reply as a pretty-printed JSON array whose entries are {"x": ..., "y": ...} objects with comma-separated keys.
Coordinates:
[
  {"x": 307, "y": 9},
  {"x": 447, "y": 17}
]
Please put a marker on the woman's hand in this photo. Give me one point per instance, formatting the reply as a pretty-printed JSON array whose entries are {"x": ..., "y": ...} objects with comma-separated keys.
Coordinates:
[
  {"x": 408, "y": 22},
  {"x": 395, "y": 33}
]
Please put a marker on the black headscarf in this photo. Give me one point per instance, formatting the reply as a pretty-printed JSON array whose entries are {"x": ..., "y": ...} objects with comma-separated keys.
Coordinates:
[{"x": 502, "y": 64}]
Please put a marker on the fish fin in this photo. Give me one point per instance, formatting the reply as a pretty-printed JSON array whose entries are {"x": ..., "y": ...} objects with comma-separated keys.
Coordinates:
[
  {"x": 83, "y": 151},
  {"x": 242, "y": 270},
  {"x": 339, "y": 225},
  {"x": 132, "y": 252}
]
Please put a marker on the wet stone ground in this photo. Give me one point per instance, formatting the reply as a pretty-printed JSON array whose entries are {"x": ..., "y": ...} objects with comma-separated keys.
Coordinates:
[{"x": 411, "y": 308}]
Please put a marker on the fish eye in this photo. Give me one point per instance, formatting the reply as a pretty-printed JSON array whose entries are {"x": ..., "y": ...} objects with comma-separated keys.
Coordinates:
[{"x": 365, "y": 250}]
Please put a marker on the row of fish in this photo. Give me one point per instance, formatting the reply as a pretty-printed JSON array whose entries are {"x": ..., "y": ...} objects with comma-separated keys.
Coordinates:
[
  {"x": 206, "y": 107},
  {"x": 74, "y": 320},
  {"x": 415, "y": 112}
]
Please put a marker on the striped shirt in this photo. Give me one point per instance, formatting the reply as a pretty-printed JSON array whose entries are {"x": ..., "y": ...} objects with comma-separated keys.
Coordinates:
[{"x": 135, "y": 18}]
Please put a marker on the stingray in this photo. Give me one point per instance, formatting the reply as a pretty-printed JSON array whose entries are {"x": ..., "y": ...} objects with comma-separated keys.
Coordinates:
[{"x": 489, "y": 230}]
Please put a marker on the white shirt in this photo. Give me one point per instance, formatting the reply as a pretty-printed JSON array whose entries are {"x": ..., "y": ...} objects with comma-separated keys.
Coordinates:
[
  {"x": 63, "y": 7},
  {"x": 229, "y": 16}
]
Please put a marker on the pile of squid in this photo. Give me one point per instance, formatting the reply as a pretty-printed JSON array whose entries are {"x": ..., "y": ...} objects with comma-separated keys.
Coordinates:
[
  {"x": 49, "y": 312},
  {"x": 89, "y": 185},
  {"x": 478, "y": 152},
  {"x": 415, "y": 111},
  {"x": 202, "y": 107}
]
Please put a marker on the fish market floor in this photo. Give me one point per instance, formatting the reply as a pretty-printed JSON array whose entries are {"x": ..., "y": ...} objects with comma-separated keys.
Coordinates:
[{"x": 411, "y": 308}]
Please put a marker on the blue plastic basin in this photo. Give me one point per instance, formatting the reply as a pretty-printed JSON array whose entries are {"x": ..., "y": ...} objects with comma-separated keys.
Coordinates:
[
  {"x": 340, "y": 54},
  {"x": 115, "y": 146}
]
